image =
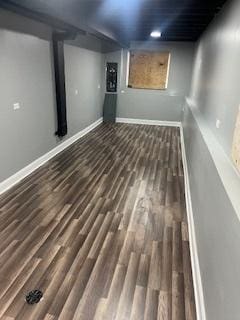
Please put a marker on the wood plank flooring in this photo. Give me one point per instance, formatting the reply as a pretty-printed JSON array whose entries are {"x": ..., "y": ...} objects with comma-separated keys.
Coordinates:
[{"x": 101, "y": 229}]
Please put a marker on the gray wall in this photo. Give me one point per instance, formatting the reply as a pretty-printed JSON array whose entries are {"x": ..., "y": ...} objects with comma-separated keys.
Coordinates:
[
  {"x": 155, "y": 104},
  {"x": 83, "y": 71},
  {"x": 27, "y": 77},
  {"x": 216, "y": 79},
  {"x": 214, "y": 182},
  {"x": 216, "y": 224}
]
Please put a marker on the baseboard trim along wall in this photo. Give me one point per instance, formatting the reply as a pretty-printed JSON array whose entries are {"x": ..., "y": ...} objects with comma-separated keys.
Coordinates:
[
  {"x": 149, "y": 122},
  {"x": 197, "y": 281},
  {"x": 17, "y": 177}
]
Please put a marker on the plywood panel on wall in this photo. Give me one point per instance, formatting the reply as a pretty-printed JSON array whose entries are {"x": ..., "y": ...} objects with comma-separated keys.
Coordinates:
[
  {"x": 148, "y": 70},
  {"x": 236, "y": 143}
]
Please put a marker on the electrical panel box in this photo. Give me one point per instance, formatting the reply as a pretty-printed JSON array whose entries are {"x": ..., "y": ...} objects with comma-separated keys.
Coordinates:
[{"x": 111, "y": 77}]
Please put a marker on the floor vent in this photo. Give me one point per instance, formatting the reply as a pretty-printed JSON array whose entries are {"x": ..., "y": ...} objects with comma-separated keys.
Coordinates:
[{"x": 34, "y": 296}]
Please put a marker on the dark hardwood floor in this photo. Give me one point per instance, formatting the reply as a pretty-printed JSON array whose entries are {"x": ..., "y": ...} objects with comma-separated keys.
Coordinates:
[{"x": 101, "y": 229}]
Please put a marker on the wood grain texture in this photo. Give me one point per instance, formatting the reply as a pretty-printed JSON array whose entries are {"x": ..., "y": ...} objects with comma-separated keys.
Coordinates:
[
  {"x": 101, "y": 229},
  {"x": 236, "y": 143},
  {"x": 148, "y": 70}
]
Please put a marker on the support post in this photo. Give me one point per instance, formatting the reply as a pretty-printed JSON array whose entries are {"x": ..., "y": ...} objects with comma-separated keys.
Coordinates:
[{"x": 58, "y": 57}]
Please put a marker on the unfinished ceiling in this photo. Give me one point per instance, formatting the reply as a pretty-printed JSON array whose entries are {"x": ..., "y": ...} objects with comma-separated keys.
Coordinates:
[{"x": 127, "y": 20}]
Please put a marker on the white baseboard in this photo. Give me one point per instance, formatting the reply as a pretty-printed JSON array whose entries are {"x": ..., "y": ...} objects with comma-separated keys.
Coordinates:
[
  {"x": 11, "y": 181},
  {"x": 197, "y": 281},
  {"x": 149, "y": 122}
]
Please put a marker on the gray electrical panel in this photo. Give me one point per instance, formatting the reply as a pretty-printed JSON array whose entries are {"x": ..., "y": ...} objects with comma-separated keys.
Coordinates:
[{"x": 111, "y": 76}]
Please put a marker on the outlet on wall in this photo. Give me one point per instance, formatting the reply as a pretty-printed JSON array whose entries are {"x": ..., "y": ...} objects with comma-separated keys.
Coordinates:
[
  {"x": 99, "y": 86},
  {"x": 76, "y": 92},
  {"x": 16, "y": 106},
  {"x": 218, "y": 123}
]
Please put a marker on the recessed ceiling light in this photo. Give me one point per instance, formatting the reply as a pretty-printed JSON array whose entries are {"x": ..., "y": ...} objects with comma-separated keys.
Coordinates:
[{"x": 156, "y": 34}]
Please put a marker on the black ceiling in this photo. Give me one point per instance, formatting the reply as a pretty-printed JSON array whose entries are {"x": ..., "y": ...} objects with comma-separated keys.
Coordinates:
[
  {"x": 178, "y": 20},
  {"x": 127, "y": 20}
]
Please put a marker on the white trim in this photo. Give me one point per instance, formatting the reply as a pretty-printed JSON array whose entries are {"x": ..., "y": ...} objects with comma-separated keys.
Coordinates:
[
  {"x": 127, "y": 67},
  {"x": 11, "y": 181},
  {"x": 197, "y": 281},
  {"x": 150, "y": 122},
  {"x": 168, "y": 71},
  {"x": 227, "y": 171}
]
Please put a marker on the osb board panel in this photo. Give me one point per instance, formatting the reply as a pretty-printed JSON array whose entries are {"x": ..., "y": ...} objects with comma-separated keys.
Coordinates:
[
  {"x": 148, "y": 70},
  {"x": 236, "y": 143}
]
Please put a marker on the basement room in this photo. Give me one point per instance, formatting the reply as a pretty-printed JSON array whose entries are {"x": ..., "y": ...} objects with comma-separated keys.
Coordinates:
[{"x": 119, "y": 159}]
